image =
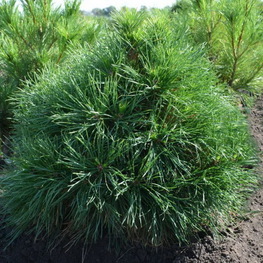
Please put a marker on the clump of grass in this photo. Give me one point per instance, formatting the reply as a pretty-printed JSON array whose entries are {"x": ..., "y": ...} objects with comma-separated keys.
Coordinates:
[{"x": 133, "y": 139}]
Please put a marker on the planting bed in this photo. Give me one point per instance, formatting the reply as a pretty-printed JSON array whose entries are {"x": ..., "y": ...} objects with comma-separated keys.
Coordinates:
[{"x": 242, "y": 242}]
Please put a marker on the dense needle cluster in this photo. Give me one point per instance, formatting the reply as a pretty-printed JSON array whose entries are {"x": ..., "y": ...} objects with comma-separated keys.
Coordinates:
[{"x": 132, "y": 138}]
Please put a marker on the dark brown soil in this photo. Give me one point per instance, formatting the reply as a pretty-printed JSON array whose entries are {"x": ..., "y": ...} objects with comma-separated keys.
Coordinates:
[{"x": 242, "y": 242}]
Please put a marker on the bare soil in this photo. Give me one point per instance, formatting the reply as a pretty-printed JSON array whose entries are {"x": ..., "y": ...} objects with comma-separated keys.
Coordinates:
[{"x": 242, "y": 242}]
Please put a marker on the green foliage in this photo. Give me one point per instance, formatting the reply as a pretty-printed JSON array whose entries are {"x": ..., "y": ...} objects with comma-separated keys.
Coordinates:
[
  {"x": 37, "y": 35},
  {"x": 132, "y": 138},
  {"x": 233, "y": 33},
  {"x": 32, "y": 38},
  {"x": 107, "y": 12},
  {"x": 243, "y": 56},
  {"x": 181, "y": 5}
]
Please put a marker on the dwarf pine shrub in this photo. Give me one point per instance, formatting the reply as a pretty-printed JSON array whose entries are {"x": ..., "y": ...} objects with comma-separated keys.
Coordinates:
[{"x": 131, "y": 139}]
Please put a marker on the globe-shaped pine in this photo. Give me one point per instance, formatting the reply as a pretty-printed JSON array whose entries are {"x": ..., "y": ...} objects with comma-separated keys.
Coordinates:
[{"x": 132, "y": 139}]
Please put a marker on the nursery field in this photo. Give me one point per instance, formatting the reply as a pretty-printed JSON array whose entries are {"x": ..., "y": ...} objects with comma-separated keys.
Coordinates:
[{"x": 135, "y": 137}]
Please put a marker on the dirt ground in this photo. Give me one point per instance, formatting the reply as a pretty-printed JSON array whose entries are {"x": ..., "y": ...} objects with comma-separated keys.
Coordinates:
[{"x": 242, "y": 242}]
